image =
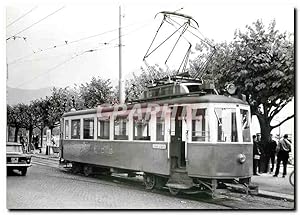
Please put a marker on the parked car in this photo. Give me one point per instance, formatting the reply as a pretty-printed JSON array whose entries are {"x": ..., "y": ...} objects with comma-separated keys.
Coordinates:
[{"x": 16, "y": 158}]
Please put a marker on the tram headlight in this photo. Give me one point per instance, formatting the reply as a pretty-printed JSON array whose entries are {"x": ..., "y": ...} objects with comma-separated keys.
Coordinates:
[
  {"x": 242, "y": 158},
  {"x": 231, "y": 89}
]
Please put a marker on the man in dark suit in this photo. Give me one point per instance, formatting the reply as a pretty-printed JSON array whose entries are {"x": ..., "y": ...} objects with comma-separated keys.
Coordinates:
[{"x": 283, "y": 149}]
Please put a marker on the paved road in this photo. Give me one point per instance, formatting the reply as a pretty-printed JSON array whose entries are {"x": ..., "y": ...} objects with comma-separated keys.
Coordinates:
[{"x": 48, "y": 187}]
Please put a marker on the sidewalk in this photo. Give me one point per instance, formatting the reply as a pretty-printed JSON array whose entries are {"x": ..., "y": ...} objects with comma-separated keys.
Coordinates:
[
  {"x": 276, "y": 187},
  {"x": 268, "y": 186}
]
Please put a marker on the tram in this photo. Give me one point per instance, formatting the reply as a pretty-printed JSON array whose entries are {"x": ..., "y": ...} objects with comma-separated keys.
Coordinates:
[{"x": 181, "y": 134}]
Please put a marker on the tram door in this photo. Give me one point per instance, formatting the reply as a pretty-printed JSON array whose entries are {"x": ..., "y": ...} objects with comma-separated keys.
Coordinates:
[{"x": 177, "y": 147}]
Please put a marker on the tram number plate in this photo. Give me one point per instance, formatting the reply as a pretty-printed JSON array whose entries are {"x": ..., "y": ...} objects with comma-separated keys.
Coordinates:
[
  {"x": 14, "y": 160},
  {"x": 159, "y": 146}
]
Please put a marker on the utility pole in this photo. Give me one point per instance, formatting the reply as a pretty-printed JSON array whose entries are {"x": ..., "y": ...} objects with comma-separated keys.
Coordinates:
[{"x": 121, "y": 83}]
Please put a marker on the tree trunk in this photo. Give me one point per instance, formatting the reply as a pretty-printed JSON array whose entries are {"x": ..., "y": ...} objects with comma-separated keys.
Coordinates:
[
  {"x": 16, "y": 134},
  {"x": 30, "y": 133},
  {"x": 42, "y": 128},
  {"x": 265, "y": 131}
]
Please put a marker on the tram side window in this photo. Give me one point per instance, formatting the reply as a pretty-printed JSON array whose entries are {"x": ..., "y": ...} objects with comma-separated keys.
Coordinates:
[
  {"x": 199, "y": 131},
  {"x": 88, "y": 128},
  {"x": 67, "y": 129},
  {"x": 121, "y": 128},
  {"x": 160, "y": 128},
  {"x": 245, "y": 125},
  {"x": 226, "y": 124},
  {"x": 103, "y": 128},
  {"x": 75, "y": 129},
  {"x": 141, "y": 130}
]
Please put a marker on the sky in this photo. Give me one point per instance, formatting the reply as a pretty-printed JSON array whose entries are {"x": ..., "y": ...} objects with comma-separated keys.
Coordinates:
[{"x": 34, "y": 62}]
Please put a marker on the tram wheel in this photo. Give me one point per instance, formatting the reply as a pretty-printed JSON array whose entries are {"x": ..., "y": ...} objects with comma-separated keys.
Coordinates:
[
  {"x": 87, "y": 170},
  {"x": 174, "y": 191},
  {"x": 149, "y": 181}
]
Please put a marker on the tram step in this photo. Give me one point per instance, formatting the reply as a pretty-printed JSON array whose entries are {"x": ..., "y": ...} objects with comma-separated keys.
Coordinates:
[{"x": 180, "y": 180}]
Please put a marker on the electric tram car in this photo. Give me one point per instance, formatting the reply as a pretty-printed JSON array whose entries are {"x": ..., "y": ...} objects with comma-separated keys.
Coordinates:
[{"x": 181, "y": 135}]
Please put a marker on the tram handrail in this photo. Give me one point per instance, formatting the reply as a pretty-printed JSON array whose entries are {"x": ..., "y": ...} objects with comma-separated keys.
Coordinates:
[
  {"x": 169, "y": 131},
  {"x": 185, "y": 145}
]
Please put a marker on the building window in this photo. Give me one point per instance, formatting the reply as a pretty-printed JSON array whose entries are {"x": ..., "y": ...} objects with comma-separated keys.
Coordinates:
[
  {"x": 75, "y": 129},
  {"x": 88, "y": 128},
  {"x": 103, "y": 128},
  {"x": 160, "y": 128},
  {"x": 66, "y": 129},
  {"x": 227, "y": 127},
  {"x": 245, "y": 125},
  {"x": 121, "y": 128},
  {"x": 199, "y": 130},
  {"x": 141, "y": 129}
]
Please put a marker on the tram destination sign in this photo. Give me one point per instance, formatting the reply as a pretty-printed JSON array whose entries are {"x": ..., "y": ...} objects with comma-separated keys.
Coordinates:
[{"x": 159, "y": 146}]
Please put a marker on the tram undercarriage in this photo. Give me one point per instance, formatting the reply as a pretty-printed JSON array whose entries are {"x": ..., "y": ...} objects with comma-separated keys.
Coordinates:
[{"x": 177, "y": 182}]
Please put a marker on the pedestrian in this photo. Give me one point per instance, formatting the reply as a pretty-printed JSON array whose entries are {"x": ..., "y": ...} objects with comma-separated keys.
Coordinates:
[
  {"x": 22, "y": 141},
  {"x": 262, "y": 156},
  {"x": 256, "y": 155},
  {"x": 53, "y": 141},
  {"x": 283, "y": 148},
  {"x": 270, "y": 152}
]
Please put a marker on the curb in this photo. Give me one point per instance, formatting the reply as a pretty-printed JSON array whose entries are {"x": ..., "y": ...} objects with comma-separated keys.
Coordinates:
[
  {"x": 46, "y": 158},
  {"x": 276, "y": 196}
]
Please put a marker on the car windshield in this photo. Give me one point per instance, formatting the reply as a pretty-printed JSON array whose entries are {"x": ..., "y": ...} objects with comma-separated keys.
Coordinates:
[{"x": 14, "y": 148}]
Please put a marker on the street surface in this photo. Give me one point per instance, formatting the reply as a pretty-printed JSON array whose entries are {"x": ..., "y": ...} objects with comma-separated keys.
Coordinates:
[{"x": 47, "y": 186}]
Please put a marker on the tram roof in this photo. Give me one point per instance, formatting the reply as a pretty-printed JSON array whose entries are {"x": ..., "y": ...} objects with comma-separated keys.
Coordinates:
[{"x": 172, "y": 101}]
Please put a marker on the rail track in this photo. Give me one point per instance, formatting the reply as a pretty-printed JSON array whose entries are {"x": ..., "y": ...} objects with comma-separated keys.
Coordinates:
[{"x": 228, "y": 199}]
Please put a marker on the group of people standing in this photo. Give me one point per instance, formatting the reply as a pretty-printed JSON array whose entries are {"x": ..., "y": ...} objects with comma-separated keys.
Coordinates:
[{"x": 269, "y": 151}]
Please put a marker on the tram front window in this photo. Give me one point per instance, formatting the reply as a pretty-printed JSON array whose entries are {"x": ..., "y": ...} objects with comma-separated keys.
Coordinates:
[
  {"x": 245, "y": 125},
  {"x": 226, "y": 124}
]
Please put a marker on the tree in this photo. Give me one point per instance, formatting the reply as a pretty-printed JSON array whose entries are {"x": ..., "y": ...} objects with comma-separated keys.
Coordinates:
[
  {"x": 97, "y": 92},
  {"x": 13, "y": 119},
  {"x": 28, "y": 118},
  {"x": 138, "y": 83},
  {"x": 260, "y": 62}
]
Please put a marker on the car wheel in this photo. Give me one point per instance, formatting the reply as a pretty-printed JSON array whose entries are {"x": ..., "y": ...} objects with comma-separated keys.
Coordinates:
[
  {"x": 9, "y": 171},
  {"x": 23, "y": 171}
]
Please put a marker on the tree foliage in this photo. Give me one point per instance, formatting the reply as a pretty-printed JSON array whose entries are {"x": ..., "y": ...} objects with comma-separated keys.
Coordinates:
[
  {"x": 97, "y": 92},
  {"x": 260, "y": 62}
]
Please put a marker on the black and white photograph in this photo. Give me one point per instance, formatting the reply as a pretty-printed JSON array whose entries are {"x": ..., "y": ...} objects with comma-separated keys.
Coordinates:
[{"x": 149, "y": 105}]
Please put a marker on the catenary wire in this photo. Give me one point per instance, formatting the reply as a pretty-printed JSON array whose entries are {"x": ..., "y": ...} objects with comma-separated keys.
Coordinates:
[
  {"x": 21, "y": 17},
  {"x": 60, "y": 64},
  {"x": 36, "y": 22},
  {"x": 75, "y": 41}
]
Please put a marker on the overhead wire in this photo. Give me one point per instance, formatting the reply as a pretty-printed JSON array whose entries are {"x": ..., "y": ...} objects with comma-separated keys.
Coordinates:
[
  {"x": 58, "y": 65},
  {"x": 77, "y": 55},
  {"x": 66, "y": 42},
  {"x": 36, "y": 22},
  {"x": 21, "y": 17}
]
